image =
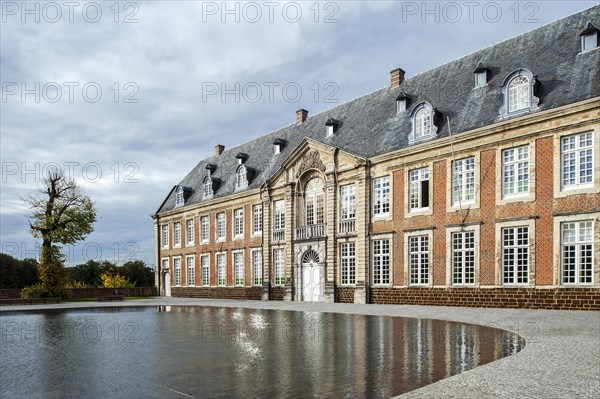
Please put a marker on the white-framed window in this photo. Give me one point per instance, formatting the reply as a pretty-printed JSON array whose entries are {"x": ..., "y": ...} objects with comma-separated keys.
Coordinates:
[
  {"x": 207, "y": 188},
  {"x": 222, "y": 269},
  {"x": 238, "y": 268},
  {"x": 191, "y": 270},
  {"x": 381, "y": 196},
  {"x": 577, "y": 161},
  {"x": 589, "y": 38},
  {"x": 418, "y": 259},
  {"x": 238, "y": 222},
  {"x": 422, "y": 123},
  {"x": 381, "y": 261},
  {"x": 164, "y": 235},
  {"x": 177, "y": 271},
  {"x": 423, "y": 126},
  {"x": 205, "y": 265},
  {"x": 241, "y": 179},
  {"x": 204, "y": 228},
  {"x": 314, "y": 202},
  {"x": 221, "y": 223},
  {"x": 515, "y": 255},
  {"x": 278, "y": 215},
  {"x": 463, "y": 257},
  {"x": 577, "y": 252},
  {"x": 278, "y": 266},
  {"x": 257, "y": 267},
  {"x": 418, "y": 189},
  {"x": 348, "y": 263},
  {"x": 515, "y": 171},
  {"x": 179, "y": 200},
  {"x": 518, "y": 93},
  {"x": 463, "y": 181},
  {"x": 257, "y": 219},
  {"x": 189, "y": 232},
  {"x": 165, "y": 264},
  {"x": 177, "y": 234},
  {"x": 348, "y": 202}
]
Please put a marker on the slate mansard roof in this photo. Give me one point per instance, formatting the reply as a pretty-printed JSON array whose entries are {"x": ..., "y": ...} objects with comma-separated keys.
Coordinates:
[{"x": 370, "y": 125}]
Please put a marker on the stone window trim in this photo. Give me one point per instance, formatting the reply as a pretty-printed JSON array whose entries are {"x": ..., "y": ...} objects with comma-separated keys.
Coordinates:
[
  {"x": 429, "y": 135},
  {"x": 162, "y": 263},
  {"x": 254, "y": 271},
  {"x": 458, "y": 229},
  {"x": 221, "y": 238},
  {"x": 499, "y": 226},
  {"x": 187, "y": 273},
  {"x": 408, "y": 213},
  {"x": 558, "y": 220},
  {"x": 376, "y": 237},
  {"x": 218, "y": 256},
  {"x": 176, "y": 270},
  {"x": 176, "y": 236},
  {"x": 257, "y": 220},
  {"x": 190, "y": 239},
  {"x": 423, "y": 232},
  {"x": 204, "y": 239},
  {"x": 207, "y": 188},
  {"x": 533, "y": 101},
  {"x": 234, "y": 254},
  {"x": 559, "y": 192},
  {"x": 450, "y": 207},
  {"x": 278, "y": 250},
  {"x": 237, "y": 226},
  {"x": 340, "y": 244},
  {"x": 204, "y": 256},
  {"x": 344, "y": 204},
  {"x": 501, "y": 199},
  {"x": 164, "y": 236},
  {"x": 385, "y": 215}
]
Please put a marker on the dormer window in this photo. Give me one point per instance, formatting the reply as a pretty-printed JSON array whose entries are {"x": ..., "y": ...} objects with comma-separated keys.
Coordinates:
[
  {"x": 402, "y": 102},
  {"x": 519, "y": 94},
  {"x": 278, "y": 145},
  {"x": 589, "y": 38},
  {"x": 241, "y": 179},
  {"x": 423, "y": 127},
  {"x": 482, "y": 74},
  {"x": 331, "y": 126},
  {"x": 179, "y": 200},
  {"x": 207, "y": 188}
]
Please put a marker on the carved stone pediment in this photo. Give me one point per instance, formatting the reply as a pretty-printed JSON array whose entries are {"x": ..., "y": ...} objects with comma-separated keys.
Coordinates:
[{"x": 311, "y": 160}]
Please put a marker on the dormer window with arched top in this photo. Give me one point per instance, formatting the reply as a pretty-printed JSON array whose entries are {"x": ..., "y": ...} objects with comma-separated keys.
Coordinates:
[
  {"x": 423, "y": 126},
  {"x": 519, "y": 94},
  {"x": 241, "y": 178},
  {"x": 179, "y": 199},
  {"x": 207, "y": 188},
  {"x": 589, "y": 38}
]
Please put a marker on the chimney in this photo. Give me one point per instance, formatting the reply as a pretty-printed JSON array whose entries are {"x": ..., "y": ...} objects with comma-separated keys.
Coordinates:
[
  {"x": 397, "y": 76},
  {"x": 219, "y": 148},
  {"x": 301, "y": 116}
]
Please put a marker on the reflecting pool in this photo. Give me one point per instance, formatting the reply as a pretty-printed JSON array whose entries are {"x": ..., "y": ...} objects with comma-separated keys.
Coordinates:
[{"x": 208, "y": 352}]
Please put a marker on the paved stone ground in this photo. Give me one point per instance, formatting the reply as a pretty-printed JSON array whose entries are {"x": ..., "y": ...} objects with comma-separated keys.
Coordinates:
[{"x": 561, "y": 358}]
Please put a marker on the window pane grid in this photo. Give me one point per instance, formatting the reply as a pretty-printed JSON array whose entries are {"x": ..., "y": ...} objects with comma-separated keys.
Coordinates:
[
  {"x": 577, "y": 251},
  {"x": 348, "y": 202},
  {"x": 177, "y": 269},
  {"x": 191, "y": 271},
  {"x": 165, "y": 236},
  {"x": 463, "y": 257},
  {"x": 279, "y": 270},
  {"x": 348, "y": 263},
  {"x": 518, "y": 94},
  {"x": 204, "y": 226},
  {"x": 418, "y": 255},
  {"x": 577, "y": 160},
  {"x": 279, "y": 215},
  {"x": 177, "y": 233},
  {"x": 381, "y": 190},
  {"x": 221, "y": 270},
  {"x": 381, "y": 262},
  {"x": 238, "y": 221},
  {"x": 189, "y": 227},
  {"x": 515, "y": 255},
  {"x": 257, "y": 218},
  {"x": 238, "y": 265},
  {"x": 463, "y": 181},
  {"x": 205, "y": 270},
  {"x": 221, "y": 226},
  {"x": 257, "y": 267},
  {"x": 418, "y": 180},
  {"x": 515, "y": 171}
]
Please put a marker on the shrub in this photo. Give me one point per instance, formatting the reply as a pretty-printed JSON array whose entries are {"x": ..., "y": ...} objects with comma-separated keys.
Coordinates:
[{"x": 34, "y": 291}]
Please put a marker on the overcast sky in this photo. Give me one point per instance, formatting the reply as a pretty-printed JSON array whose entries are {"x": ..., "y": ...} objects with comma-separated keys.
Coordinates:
[{"x": 129, "y": 97}]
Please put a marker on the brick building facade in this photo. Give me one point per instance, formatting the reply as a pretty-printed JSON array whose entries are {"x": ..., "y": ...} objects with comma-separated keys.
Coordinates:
[{"x": 476, "y": 183}]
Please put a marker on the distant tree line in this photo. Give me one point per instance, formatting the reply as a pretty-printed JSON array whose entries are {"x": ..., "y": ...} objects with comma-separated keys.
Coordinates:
[{"x": 15, "y": 273}]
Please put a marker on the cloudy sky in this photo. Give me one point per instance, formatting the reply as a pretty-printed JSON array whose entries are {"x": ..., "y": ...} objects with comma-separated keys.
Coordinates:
[{"x": 127, "y": 97}]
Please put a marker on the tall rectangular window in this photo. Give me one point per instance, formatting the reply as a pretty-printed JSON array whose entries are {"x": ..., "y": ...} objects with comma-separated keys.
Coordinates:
[
  {"x": 577, "y": 252},
  {"x": 238, "y": 268},
  {"x": 278, "y": 215},
  {"x": 238, "y": 222},
  {"x": 221, "y": 270},
  {"x": 191, "y": 271},
  {"x": 463, "y": 258},
  {"x": 177, "y": 271},
  {"x": 205, "y": 264},
  {"x": 176, "y": 234},
  {"x": 221, "y": 226},
  {"x": 257, "y": 268},
  {"x": 418, "y": 189},
  {"x": 204, "y": 229},
  {"x": 278, "y": 266},
  {"x": 164, "y": 236},
  {"x": 577, "y": 160},
  {"x": 348, "y": 263},
  {"x": 418, "y": 258},
  {"x": 189, "y": 231},
  {"x": 515, "y": 171},
  {"x": 463, "y": 181},
  {"x": 348, "y": 202},
  {"x": 381, "y": 196},
  {"x": 515, "y": 255},
  {"x": 381, "y": 261},
  {"x": 257, "y": 219}
]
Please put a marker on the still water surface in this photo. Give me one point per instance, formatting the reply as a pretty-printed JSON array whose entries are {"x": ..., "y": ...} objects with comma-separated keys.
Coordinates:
[{"x": 207, "y": 352}]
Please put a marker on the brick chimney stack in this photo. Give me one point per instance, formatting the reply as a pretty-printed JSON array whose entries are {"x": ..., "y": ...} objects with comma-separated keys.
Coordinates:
[
  {"x": 397, "y": 76},
  {"x": 301, "y": 116},
  {"x": 219, "y": 148}
]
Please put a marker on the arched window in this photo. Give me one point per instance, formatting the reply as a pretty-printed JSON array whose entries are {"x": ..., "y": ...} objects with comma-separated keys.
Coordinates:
[
  {"x": 310, "y": 256},
  {"x": 207, "y": 188},
  {"x": 518, "y": 93},
  {"x": 241, "y": 179},
  {"x": 314, "y": 202},
  {"x": 423, "y": 127},
  {"x": 179, "y": 200}
]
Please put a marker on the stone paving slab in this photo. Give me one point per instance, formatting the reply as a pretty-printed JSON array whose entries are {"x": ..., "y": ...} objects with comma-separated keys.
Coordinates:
[{"x": 561, "y": 358}]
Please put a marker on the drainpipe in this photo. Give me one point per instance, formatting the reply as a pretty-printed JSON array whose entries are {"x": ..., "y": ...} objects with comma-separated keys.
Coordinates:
[{"x": 368, "y": 226}]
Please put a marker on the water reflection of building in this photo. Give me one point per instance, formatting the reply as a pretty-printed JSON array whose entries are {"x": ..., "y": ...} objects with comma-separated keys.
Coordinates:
[{"x": 375, "y": 200}]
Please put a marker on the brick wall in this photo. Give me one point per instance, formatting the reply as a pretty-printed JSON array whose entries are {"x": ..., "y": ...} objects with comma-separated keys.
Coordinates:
[
  {"x": 277, "y": 293},
  {"x": 529, "y": 298},
  {"x": 252, "y": 293},
  {"x": 344, "y": 294},
  {"x": 10, "y": 294},
  {"x": 102, "y": 292}
]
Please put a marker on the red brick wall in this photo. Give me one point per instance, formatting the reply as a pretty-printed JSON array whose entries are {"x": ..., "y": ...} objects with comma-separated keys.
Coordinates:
[
  {"x": 344, "y": 294},
  {"x": 91, "y": 292},
  {"x": 277, "y": 293},
  {"x": 530, "y": 298},
  {"x": 253, "y": 293}
]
